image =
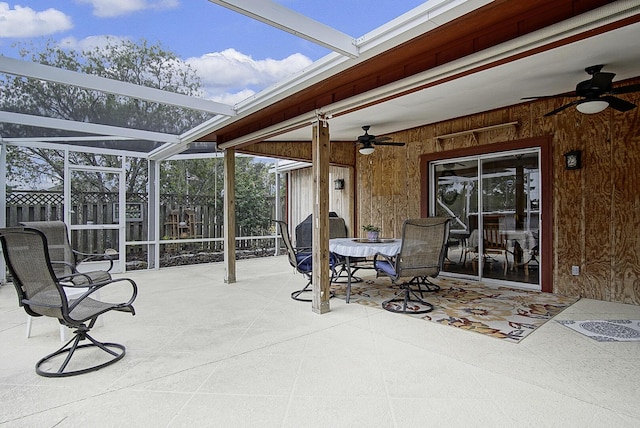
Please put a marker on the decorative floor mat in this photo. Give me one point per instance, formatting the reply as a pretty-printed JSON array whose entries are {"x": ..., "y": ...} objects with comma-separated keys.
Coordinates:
[
  {"x": 500, "y": 312},
  {"x": 606, "y": 330}
]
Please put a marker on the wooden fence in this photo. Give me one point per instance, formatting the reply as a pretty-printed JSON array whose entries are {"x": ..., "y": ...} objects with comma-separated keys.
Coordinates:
[{"x": 102, "y": 208}]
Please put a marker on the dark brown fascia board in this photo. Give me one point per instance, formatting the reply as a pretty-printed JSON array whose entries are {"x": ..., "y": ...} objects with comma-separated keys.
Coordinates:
[{"x": 491, "y": 25}]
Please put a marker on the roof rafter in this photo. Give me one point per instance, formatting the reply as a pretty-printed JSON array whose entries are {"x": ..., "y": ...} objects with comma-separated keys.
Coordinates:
[
  {"x": 53, "y": 74},
  {"x": 39, "y": 143},
  {"x": 295, "y": 23},
  {"x": 90, "y": 128}
]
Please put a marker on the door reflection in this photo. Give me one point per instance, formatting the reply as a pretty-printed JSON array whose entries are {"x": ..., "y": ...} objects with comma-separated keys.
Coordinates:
[{"x": 494, "y": 204}]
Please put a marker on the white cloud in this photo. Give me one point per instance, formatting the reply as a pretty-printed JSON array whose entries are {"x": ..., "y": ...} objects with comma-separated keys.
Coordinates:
[
  {"x": 26, "y": 22},
  {"x": 90, "y": 43},
  {"x": 227, "y": 77},
  {"x": 112, "y": 8},
  {"x": 232, "y": 75},
  {"x": 229, "y": 98}
]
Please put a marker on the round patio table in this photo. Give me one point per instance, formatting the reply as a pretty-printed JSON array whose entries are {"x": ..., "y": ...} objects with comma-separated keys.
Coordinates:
[{"x": 357, "y": 247}]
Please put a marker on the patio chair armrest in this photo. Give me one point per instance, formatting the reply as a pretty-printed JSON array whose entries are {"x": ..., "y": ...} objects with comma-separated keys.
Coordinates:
[
  {"x": 336, "y": 260},
  {"x": 303, "y": 261},
  {"x": 134, "y": 289},
  {"x": 71, "y": 266},
  {"x": 385, "y": 264},
  {"x": 68, "y": 280},
  {"x": 87, "y": 257},
  {"x": 96, "y": 286},
  {"x": 389, "y": 259}
]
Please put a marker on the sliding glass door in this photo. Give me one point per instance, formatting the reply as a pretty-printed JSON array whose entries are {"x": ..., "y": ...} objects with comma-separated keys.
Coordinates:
[{"x": 494, "y": 203}]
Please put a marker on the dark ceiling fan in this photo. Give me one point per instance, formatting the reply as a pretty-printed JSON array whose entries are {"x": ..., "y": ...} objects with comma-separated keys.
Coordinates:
[
  {"x": 596, "y": 94},
  {"x": 367, "y": 141}
]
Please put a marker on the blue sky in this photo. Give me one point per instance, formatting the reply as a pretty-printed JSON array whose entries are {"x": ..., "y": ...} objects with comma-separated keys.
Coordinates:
[{"x": 234, "y": 55}]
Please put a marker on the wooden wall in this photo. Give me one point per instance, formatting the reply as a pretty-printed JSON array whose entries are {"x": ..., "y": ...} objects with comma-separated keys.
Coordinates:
[
  {"x": 300, "y": 195},
  {"x": 596, "y": 210},
  {"x": 342, "y": 153}
]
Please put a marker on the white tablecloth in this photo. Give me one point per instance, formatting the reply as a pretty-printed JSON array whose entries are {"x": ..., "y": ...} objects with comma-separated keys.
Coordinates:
[
  {"x": 353, "y": 247},
  {"x": 526, "y": 239}
]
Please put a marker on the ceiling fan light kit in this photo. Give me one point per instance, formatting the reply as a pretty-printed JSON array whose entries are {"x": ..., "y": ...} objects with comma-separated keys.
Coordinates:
[
  {"x": 366, "y": 150},
  {"x": 592, "y": 106}
]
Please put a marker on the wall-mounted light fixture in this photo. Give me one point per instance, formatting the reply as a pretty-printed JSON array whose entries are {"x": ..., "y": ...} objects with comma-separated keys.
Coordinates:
[
  {"x": 573, "y": 159},
  {"x": 338, "y": 184}
]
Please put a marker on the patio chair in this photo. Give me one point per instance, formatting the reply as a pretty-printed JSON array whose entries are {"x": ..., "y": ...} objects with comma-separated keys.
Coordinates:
[
  {"x": 494, "y": 242},
  {"x": 41, "y": 293},
  {"x": 64, "y": 259},
  {"x": 421, "y": 256},
  {"x": 301, "y": 258}
]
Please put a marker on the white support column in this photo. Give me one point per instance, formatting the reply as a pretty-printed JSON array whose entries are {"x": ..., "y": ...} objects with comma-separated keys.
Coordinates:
[
  {"x": 3, "y": 204},
  {"x": 153, "y": 208},
  {"x": 66, "y": 196},
  {"x": 230, "y": 215},
  {"x": 321, "y": 273},
  {"x": 277, "y": 208}
]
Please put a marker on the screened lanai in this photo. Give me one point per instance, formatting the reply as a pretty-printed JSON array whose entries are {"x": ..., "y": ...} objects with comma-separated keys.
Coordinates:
[{"x": 444, "y": 76}]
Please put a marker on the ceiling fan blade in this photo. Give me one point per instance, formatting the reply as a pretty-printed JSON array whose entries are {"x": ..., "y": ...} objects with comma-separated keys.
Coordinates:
[
  {"x": 566, "y": 106},
  {"x": 390, "y": 143},
  {"x": 378, "y": 139},
  {"x": 569, "y": 94},
  {"x": 619, "y": 104},
  {"x": 625, "y": 89}
]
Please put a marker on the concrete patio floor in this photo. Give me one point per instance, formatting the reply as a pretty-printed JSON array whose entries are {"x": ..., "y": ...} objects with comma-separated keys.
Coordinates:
[{"x": 204, "y": 353}]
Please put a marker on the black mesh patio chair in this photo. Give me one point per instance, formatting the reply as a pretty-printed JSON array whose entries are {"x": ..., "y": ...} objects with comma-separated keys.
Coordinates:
[
  {"x": 422, "y": 254},
  {"x": 301, "y": 258},
  {"x": 64, "y": 259},
  {"x": 42, "y": 293}
]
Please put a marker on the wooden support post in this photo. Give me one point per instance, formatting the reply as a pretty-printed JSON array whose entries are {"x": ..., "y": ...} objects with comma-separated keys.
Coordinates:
[
  {"x": 230, "y": 215},
  {"x": 321, "y": 274}
]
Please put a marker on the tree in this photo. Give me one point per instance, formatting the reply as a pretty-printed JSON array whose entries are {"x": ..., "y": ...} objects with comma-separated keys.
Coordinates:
[
  {"x": 142, "y": 64},
  {"x": 254, "y": 187},
  {"x": 202, "y": 180}
]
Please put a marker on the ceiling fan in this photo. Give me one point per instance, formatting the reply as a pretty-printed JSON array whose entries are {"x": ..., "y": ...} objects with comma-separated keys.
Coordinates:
[
  {"x": 596, "y": 94},
  {"x": 368, "y": 141}
]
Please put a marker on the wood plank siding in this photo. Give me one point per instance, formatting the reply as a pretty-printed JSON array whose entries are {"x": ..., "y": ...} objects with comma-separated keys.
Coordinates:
[{"x": 595, "y": 211}]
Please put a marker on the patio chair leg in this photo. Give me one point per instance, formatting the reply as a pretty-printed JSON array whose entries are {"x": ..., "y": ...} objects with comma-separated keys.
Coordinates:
[
  {"x": 307, "y": 288},
  {"x": 423, "y": 281},
  {"x": 115, "y": 350},
  {"x": 411, "y": 302},
  {"x": 296, "y": 294},
  {"x": 340, "y": 278}
]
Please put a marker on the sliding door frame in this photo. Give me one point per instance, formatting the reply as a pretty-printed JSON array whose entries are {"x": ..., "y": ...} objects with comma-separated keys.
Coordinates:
[{"x": 546, "y": 179}]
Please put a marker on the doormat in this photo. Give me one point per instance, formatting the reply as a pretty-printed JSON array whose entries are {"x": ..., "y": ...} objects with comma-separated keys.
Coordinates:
[
  {"x": 606, "y": 330},
  {"x": 499, "y": 312}
]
